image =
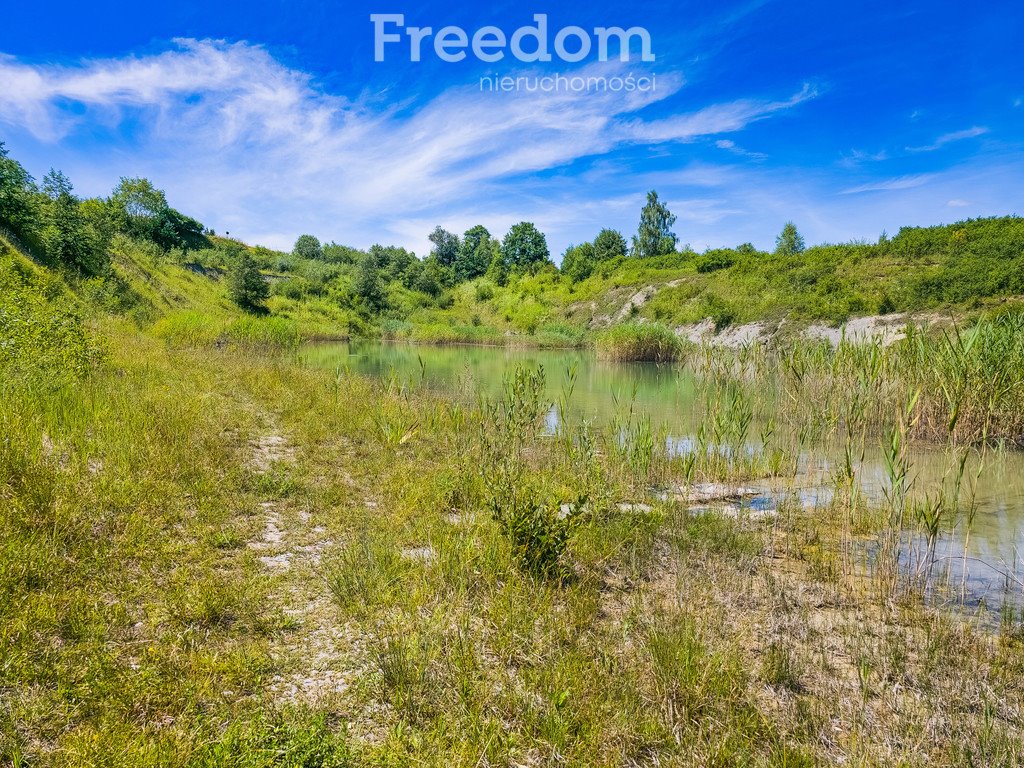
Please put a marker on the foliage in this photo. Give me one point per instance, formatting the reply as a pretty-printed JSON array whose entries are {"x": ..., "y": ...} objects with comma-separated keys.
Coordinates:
[
  {"x": 307, "y": 247},
  {"x": 713, "y": 261},
  {"x": 654, "y": 236},
  {"x": 525, "y": 248},
  {"x": 41, "y": 333},
  {"x": 446, "y": 246},
  {"x": 141, "y": 210},
  {"x": 538, "y": 530},
  {"x": 66, "y": 235},
  {"x": 246, "y": 284},
  {"x": 368, "y": 282},
  {"x": 17, "y": 208},
  {"x": 476, "y": 252},
  {"x": 609, "y": 244},
  {"x": 789, "y": 242},
  {"x": 579, "y": 261}
]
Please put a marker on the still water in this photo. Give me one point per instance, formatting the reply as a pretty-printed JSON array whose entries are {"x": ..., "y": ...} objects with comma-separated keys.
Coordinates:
[{"x": 603, "y": 391}]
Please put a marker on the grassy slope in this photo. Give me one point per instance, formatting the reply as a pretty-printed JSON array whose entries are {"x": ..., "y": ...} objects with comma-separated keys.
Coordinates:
[
  {"x": 187, "y": 302},
  {"x": 964, "y": 268}
]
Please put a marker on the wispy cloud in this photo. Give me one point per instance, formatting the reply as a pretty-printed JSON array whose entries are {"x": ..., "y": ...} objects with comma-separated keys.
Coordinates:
[
  {"x": 949, "y": 138},
  {"x": 888, "y": 185},
  {"x": 716, "y": 119},
  {"x": 859, "y": 157},
  {"x": 731, "y": 146},
  {"x": 236, "y": 132}
]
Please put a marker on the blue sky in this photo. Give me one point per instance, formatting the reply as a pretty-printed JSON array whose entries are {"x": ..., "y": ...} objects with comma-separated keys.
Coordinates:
[{"x": 269, "y": 119}]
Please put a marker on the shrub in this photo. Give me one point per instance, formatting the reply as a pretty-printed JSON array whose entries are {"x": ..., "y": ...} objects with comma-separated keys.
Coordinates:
[
  {"x": 484, "y": 290},
  {"x": 712, "y": 262}
]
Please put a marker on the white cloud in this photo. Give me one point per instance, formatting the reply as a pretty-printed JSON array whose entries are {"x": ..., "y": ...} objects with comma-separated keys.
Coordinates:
[
  {"x": 888, "y": 185},
  {"x": 957, "y": 203},
  {"x": 718, "y": 118},
  {"x": 949, "y": 138},
  {"x": 731, "y": 146},
  {"x": 259, "y": 149}
]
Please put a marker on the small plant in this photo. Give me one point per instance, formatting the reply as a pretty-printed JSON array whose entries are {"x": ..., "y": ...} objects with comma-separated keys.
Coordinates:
[
  {"x": 538, "y": 532},
  {"x": 538, "y": 526},
  {"x": 403, "y": 663},
  {"x": 365, "y": 574},
  {"x": 780, "y": 667}
]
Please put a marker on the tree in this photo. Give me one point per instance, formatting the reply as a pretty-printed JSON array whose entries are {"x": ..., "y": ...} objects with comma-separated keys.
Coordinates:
[
  {"x": 174, "y": 229},
  {"x": 497, "y": 270},
  {"x": 789, "y": 242},
  {"x": 579, "y": 261},
  {"x": 446, "y": 246},
  {"x": 609, "y": 244},
  {"x": 67, "y": 238},
  {"x": 17, "y": 208},
  {"x": 475, "y": 253},
  {"x": 341, "y": 254},
  {"x": 247, "y": 287},
  {"x": 525, "y": 247},
  {"x": 307, "y": 247},
  {"x": 368, "y": 284},
  {"x": 433, "y": 277},
  {"x": 654, "y": 236},
  {"x": 141, "y": 210},
  {"x": 138, "y": 204}
]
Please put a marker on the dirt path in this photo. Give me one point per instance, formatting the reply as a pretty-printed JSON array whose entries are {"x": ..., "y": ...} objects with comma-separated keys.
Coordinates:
[{"x": 313, "y": 653}]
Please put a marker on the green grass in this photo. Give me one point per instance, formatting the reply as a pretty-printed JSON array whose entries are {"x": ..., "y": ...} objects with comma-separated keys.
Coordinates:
[
  {"x": 41, "y": 330},
  {"x": 195, "y": 329},
  {"x": 432, "y": 569}
]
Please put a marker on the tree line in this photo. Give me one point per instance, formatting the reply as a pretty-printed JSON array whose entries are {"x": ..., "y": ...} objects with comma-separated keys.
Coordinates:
[{"x": 62, "y": 229}]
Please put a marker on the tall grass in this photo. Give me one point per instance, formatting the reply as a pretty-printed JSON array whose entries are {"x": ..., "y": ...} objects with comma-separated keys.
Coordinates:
[
  {"x": 196, "y": 329},
  {"x": 639, "y": 342},
  {"x": 41, "y": 331}
]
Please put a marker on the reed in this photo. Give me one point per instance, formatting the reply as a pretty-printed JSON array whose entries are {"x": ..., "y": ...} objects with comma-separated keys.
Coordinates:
[{"x": 639, "y": 342}]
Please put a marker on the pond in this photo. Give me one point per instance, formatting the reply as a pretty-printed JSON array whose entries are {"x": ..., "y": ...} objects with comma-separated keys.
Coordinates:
[{"x": 671, "y": 396}]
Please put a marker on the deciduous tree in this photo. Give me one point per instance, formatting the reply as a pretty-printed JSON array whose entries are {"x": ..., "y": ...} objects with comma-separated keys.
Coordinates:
[
  {"x": 654, "y": 236},
  {"x": 525, "y": 247},
  {"x": 307, "y": 247}
]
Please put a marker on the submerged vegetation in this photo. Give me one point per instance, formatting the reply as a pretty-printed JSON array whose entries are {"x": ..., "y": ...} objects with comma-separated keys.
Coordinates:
[{"x": 214, "y": 553}]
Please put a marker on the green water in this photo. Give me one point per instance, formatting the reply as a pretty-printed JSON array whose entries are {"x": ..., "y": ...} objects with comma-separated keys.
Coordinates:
[
  {"x": 670, "y": 396},
  {"x": 602, "y": 390}
]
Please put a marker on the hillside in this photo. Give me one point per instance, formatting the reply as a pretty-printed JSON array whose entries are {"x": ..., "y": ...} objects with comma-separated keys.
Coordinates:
[{"x": 132, "y": 254}]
